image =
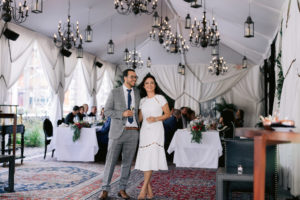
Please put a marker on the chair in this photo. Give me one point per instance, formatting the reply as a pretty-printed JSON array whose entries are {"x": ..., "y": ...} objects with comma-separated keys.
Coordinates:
[
  {"x": 48, "y": 132},
  {"x": 240, "y": 151}
]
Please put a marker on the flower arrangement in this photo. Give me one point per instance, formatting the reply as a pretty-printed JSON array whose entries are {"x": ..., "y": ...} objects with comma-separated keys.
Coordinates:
[
  {"x": 197, "y": 127},
  {"x": 76, "y": 127}
]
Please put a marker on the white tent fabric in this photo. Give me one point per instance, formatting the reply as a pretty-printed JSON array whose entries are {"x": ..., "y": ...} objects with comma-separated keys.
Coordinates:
[
  {"x": 57, "y": 68},
  {"x": 290, "y": 99},
  {"x": 14, "y": 57}
]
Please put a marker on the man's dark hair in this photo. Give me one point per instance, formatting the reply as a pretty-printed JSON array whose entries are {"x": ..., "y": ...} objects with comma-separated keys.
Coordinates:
[
  {"x": 75, "y": 108},
  {"x": 183, "y": 108},
  {"x": 125, "y": 73}
]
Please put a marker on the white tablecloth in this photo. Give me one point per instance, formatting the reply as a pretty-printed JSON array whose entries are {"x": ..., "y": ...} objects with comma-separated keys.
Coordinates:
[
  {"x": 84, "y": 149},
  {"x": 188, "y": 154}
]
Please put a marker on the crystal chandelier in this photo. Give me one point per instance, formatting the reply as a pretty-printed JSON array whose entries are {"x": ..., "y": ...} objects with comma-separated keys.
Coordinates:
[
  {"x": 217, "y": 66},
  {"x": 9, "y": 10},
  {"x": 175, "y": 43},
  {"x": 69, "y": 36},
  {"x": 126, "y": 7}
]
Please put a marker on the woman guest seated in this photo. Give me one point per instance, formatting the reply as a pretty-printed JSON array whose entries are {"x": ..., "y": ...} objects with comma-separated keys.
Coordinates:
[
  {"x": 226, "y": 124},
  {"x": 239, "y": 118},
  {"x": 81, "y": 113}
]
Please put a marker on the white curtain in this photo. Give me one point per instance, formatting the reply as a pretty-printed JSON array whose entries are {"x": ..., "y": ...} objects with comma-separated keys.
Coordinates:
[
  {"x": 14, "y": 56},
  {"x": 289, "y": 155},
  {"x": 89, "y": 72}
]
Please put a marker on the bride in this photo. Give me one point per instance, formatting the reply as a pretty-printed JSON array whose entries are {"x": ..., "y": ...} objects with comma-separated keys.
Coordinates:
[{"x": 151, "y": 156}]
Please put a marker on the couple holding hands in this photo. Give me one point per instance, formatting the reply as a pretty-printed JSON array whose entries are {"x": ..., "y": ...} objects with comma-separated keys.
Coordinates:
[{"x": 151, "y": 109}]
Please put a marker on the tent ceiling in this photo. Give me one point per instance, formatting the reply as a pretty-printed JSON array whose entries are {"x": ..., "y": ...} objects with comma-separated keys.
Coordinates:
[{"x": 230, "y": 16}]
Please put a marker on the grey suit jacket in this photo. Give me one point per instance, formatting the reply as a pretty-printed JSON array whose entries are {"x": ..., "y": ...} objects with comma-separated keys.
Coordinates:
[{"x": 114, "y": 108}]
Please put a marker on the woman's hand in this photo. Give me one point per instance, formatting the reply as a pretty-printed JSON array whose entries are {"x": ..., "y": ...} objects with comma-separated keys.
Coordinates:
[{"x": 151, "y": 119}]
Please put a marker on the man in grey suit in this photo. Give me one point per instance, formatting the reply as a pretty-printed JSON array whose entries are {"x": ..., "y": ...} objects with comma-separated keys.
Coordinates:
[{"x": 122, "y": 107}]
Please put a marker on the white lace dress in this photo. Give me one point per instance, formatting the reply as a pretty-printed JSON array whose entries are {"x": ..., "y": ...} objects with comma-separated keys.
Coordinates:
[{"x": 151, "y": 154}]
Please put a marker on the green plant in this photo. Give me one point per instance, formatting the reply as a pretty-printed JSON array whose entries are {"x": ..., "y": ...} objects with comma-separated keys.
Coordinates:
[
  {"x": 224, "y": 105},
  {"x": 197, "y": 127},
  {"x": 33, "y": 137}
]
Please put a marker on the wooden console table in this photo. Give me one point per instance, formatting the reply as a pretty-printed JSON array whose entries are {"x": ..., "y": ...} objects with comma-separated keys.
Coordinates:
[{"x": 262, "y": 138}]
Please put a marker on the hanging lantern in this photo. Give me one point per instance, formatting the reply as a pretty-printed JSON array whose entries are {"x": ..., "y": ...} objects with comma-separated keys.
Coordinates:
[
  {"x": 194, "y": 4},
  {"x": 245, "y": 62},
  {"x": 188, "y": 21},
  {"x": 37, "y": 6},
  {"x": 249, "y": 28},
  {"x": 215, "y": 50},
  {"x": 88, "y": 34},
  {"x": 156, "y": 20},
  {"x": 79, "y": 51},
  {"x": 149, "y": 62},
  {"x": 181, "y": 69},
  {"x": 110, "y": 47},
  {"x": 126, "y": 55}
]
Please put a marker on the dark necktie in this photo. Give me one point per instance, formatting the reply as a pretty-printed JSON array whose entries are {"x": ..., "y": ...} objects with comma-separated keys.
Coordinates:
[{"x": 130, "y": 119}]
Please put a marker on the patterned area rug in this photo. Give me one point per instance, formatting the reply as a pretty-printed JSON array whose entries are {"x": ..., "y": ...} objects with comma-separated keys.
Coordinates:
[
  {"x": 176, "y": 183},
  {"x": 54, "y": 180}
]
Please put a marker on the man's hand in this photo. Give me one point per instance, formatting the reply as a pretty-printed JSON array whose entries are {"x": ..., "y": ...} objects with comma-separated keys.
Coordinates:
[{"x": 127, "y": 113}]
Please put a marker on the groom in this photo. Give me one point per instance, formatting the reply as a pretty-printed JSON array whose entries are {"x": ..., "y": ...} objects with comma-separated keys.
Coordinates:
[{"x": 122, "y": 107}]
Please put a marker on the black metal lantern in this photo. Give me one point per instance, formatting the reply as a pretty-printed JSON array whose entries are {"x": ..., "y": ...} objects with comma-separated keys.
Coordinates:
[
  {"x": 194, "y": 4},
  {"x": 156, "y": 20},
  {"x": 245, "y": 62},
  {"x": 110, "y": 47},
  {"x": 79, "y": 51},
  {"x": 249, "y": 28},
  {"x": 37, "y": 6},
  {"x": 88, "y": 34},
  {"x": 181, "y": 69},
  {"x": 149, "y": 62},
  {"x": 188, "y": 21},
  {"x": 215, "y": 50},
  {"x": 126, "y": 55}
]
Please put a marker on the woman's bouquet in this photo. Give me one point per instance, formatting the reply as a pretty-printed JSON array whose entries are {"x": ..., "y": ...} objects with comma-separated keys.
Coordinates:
[
  {"x": 197, "y": 127},
  {"x": 76, "y": 127}
]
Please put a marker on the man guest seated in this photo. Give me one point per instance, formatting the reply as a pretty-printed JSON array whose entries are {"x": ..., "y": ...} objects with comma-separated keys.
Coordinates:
[
  {"x": 81, "y": 113},
  {"x": 184, "y": 117},
  {"x": 70, "y": 117},
  {"x": 93, "y": 112},
  {"x": 86, "y": 109}
]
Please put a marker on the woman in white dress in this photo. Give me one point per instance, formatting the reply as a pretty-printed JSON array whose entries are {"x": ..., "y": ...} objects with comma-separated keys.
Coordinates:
[{"x": 151, "y": 154}]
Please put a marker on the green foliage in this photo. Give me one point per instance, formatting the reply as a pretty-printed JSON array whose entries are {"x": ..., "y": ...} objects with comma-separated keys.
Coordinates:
[
  {"x": 119, "y": 81},
  {"x": 280, "y": 79},
  {"x": 224, "y": 105},
  {"x": 34, "y": 136}
]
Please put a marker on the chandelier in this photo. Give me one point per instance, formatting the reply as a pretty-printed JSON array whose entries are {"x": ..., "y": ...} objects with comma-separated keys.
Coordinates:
[
  {"x": 175, "y": 43},
  {"x": 126, "y": 7},
  {"x": 69, "y": 36},
  {"x": 217, "y": 66},
  {"x": 133, "y": 58},
  {"x": 200, "y": 35},
  {"x": 9, "y": 10}
]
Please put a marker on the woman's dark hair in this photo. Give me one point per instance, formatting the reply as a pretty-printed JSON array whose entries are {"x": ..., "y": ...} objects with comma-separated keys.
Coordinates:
[
  {"x": 241, "y": 114},
  {"x": 228, "y": 117},
  {"x": 142, "y": 89}
]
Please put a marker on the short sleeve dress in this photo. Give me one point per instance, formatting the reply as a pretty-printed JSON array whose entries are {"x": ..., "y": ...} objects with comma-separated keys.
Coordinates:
[{"x": 151, "y": 154}]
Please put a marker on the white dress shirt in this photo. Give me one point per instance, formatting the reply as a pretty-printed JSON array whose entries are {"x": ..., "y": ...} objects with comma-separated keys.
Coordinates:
[{"x": 134, "y": 123}]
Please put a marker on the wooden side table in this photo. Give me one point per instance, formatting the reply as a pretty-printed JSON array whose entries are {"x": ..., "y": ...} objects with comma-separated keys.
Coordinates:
[{"x": 262, "y": 138}]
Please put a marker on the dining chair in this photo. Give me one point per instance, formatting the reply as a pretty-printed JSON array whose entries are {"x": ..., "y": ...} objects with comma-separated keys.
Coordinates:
[{"x": 48, "y": 132}]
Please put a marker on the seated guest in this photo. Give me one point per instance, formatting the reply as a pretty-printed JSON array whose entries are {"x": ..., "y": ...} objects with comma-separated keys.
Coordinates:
[
  {"x": 102, "y": 138},
  {"x": 93, "y": 112},
  {"x": 70, "y": 117},
  {"x": 81, "y": 113},
  {"x": 184, "y": 118},
  {"x": 170, "y": 126},
  {"x": 191, "y": 115},
  {"x": 226, "y": 121},
  {"x": 239, "y": 118},
  {"x": 102, "y": 116},
  {"x": 86, "y": 109}
]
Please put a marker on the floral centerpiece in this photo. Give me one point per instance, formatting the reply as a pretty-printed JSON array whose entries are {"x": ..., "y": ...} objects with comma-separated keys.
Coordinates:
[
  {"x": 76, "y": 127},
  {"x": 197, "y": 127}
]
